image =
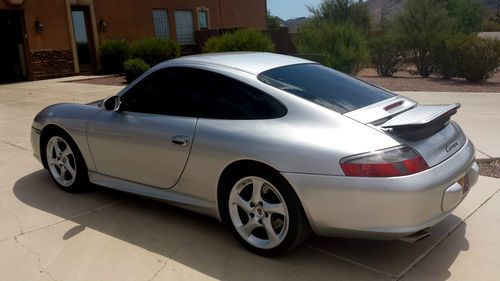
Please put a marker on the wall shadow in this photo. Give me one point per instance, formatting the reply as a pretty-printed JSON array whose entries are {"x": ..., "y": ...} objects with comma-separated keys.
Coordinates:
[{"x": 205, "y": 245}]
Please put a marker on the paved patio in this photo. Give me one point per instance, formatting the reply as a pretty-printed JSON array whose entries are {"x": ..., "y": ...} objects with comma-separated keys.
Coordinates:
[{"x": 47, "y": 234}]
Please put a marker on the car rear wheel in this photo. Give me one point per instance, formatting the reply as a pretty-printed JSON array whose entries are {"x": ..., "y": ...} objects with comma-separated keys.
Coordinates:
[
  {"x": 65, "y": 164},
  {"x": 265, "y": 213}
]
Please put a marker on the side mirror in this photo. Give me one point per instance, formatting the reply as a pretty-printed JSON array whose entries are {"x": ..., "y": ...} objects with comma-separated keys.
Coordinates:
[{"x": 112, "y": 103}]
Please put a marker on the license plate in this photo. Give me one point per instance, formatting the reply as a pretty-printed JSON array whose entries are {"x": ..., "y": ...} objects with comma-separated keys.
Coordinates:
[{"x": 464, "y": 183}]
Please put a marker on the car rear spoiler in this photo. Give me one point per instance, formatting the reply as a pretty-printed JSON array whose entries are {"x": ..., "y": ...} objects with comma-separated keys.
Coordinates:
[{"x": 420, "y": 121}]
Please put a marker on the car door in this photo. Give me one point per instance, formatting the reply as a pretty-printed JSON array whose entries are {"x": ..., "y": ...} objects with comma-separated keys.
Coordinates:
[{"x": 148, "y": 140}]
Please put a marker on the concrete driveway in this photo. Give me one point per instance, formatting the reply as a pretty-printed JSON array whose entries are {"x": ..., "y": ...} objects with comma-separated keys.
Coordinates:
[{"x": 46, "y": 234}]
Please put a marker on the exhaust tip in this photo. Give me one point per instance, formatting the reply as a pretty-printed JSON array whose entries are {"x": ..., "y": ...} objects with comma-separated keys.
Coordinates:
[{"x": 417, "y": 236}]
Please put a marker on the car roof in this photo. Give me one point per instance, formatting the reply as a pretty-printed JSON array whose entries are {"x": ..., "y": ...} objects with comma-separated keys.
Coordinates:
[{"x": 251, "y": 62}]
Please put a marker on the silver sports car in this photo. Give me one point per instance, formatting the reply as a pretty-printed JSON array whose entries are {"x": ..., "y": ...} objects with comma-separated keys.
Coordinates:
[{"x": 274, "y": 146}]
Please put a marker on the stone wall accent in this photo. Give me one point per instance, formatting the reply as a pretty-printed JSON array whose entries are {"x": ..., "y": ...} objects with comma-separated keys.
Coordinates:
[{"x": 52, "y": 63}]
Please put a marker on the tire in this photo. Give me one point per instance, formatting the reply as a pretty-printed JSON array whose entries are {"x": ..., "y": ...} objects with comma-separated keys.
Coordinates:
[
  {"x": 65, "y": 163},
  {"x": 263, "y": 211}
]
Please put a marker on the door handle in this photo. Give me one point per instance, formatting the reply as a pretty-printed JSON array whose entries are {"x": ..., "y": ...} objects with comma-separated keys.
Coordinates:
[{"x": 180, "y": 140}]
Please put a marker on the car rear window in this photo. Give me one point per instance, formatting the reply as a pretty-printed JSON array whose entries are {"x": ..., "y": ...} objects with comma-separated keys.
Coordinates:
[{"x": 324, "y": 86}]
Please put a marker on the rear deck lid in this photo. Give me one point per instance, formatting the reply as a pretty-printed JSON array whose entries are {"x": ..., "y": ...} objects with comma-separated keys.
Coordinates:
[{"x": 426, "y": 128}]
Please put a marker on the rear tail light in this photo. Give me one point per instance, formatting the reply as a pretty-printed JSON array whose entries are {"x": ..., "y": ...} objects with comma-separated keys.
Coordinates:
[{"x": 392, "y": 162}]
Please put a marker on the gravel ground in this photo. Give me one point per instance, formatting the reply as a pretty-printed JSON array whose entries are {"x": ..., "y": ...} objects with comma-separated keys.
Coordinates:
[
  {"x": 491, "y": 169},
  {"x": 402, "y": 81}
]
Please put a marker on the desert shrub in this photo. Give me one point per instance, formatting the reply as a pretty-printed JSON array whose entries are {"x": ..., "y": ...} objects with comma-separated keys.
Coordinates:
[
  {"x": 387, "y": 55},
  {"x": 342, "y": 12},
  {"x": 240, "y": 40},
  {"x": 467, "y": 15},
  {"x": 155, "y": 50},
  {"x": 477, "y": 59},
  {"x": 422, "y": 25},
  {"x": 490, "y": 25},
  {"x": 113, "y": 54},
  {"x": 273, "y": 22},
  {"x": 134, "y": 68},
  {"x": 341, "y": 46},
  {"x": 444, "y": 63},
  {"x": 444, "y": 59}
]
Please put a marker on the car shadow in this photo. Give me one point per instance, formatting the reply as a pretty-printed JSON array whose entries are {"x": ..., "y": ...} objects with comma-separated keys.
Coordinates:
[{"x": 207, "y": 246}]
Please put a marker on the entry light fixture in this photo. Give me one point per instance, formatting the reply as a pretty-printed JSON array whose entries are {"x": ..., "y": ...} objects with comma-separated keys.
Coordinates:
[
  {"x": 102, "y": 25},
  {"x": 38, "y": 25}
]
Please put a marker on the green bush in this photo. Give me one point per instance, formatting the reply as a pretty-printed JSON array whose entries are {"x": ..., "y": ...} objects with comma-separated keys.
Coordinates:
[
  {"x": 445, "y": 59},
  {"x": 134, "y": 68},
  {"x": 342, "y": 12},
  {"x": 113, "y": 53},
  {"x": 387, "y": 55},
  {"x": 444, "y": 62},
  {"x": 477, "y": 59},
  {"x": 340, "y": 46},
  {"x": 467, "y": 15},
  {"x": 272, "y": 21},
  {"x": 240, "y": 40},
  {"x": 422, "y": 25},
  {"x": 155, "y": 50},
  {"x": 490, "y": 25}
]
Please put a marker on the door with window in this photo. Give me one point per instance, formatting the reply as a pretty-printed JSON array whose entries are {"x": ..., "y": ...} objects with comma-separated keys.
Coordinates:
[
  {"x": 84, "y": 39},
  {"x": 149, "y": 139},
  {"x": 12, "y": 48}
]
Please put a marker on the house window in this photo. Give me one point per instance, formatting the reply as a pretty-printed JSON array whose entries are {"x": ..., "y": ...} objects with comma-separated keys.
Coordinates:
[
  {"x": 160, "y": 22},
  {"x": 203, "y": 20},
  {"x": 184, "y": 27}
]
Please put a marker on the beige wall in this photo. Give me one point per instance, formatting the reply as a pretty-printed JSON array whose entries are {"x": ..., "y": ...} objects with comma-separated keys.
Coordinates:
[
  {"x": 243, "y": 13},
  {"x": 131, "y": 19},
  {"x": 126, "y": 19},
  {"x": 52, "y": 14}
]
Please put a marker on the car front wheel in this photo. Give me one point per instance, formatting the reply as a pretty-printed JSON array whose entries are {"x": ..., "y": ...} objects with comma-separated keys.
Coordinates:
[{"x": 65, "y": 164}]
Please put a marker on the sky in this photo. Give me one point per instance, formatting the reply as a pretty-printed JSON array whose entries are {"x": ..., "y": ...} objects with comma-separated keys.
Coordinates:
[{"x": 289, "y": 9}]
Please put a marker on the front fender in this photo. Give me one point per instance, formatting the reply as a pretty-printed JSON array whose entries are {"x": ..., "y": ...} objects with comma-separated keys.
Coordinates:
[{"x": 73, "y": 119}]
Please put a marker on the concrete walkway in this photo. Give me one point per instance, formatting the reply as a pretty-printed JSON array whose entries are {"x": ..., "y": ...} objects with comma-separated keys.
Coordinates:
[{"x": 47, "y": 234}]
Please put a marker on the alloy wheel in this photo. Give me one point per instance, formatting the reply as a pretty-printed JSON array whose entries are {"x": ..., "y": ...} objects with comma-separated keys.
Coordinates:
[
  {"x": 61, "y": 161},
  {"x": 258, "y": 212}
]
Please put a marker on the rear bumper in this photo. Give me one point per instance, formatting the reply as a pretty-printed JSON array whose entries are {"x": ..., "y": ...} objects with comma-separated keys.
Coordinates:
[{"x": 385, "y": 208}]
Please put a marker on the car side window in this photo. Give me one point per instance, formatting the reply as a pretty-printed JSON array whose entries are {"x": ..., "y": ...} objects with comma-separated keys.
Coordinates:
[
  {"x": 182, "y": 91},
  {"x": 158, "y": 93}
]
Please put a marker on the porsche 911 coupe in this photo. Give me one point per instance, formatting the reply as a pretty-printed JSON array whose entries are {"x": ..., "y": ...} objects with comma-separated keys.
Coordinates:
[{"x": 275, "y": 146}]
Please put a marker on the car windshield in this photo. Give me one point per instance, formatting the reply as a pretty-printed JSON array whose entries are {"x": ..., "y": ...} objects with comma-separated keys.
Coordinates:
[{"x": 324, "y": 86}]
